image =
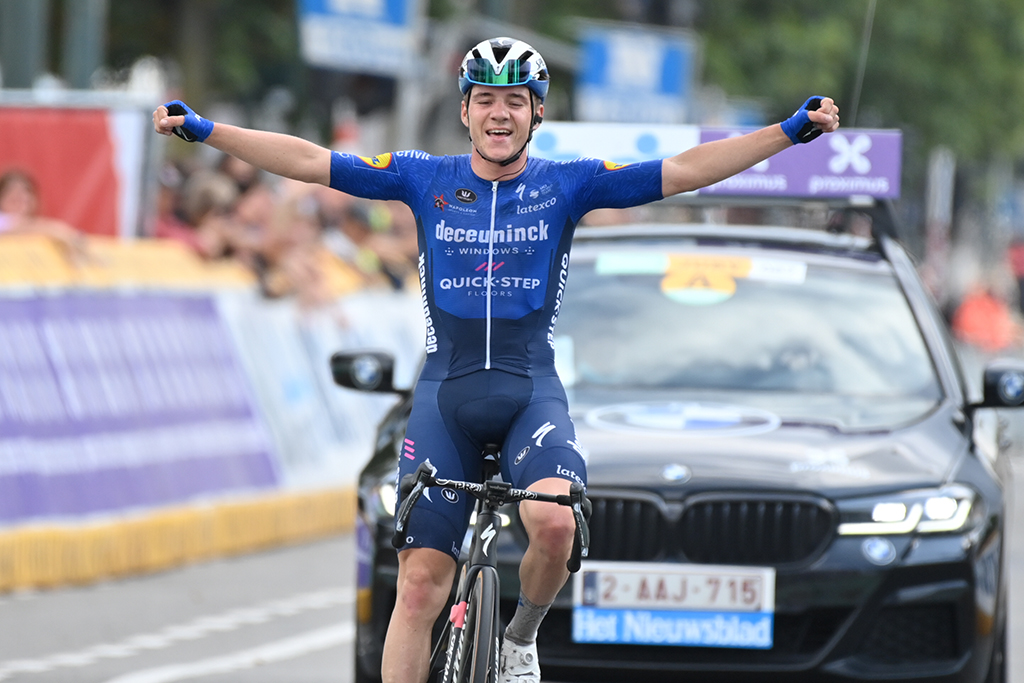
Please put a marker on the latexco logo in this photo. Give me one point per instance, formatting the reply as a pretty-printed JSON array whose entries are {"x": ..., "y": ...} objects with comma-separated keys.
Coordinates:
[
  {"x": 566, "y": 473},
  {"x": 537, "y": 207}
]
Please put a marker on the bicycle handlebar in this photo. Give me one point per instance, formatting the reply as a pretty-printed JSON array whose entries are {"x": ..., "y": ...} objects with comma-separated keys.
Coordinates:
[{"x": 496, "y": 494}]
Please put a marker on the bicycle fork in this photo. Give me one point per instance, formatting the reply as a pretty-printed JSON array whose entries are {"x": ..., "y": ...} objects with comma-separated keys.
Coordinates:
[{"x": 481, "y": 559}]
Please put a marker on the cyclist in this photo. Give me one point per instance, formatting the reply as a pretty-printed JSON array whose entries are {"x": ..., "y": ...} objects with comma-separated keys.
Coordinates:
[{"x": 495, "y": 228}]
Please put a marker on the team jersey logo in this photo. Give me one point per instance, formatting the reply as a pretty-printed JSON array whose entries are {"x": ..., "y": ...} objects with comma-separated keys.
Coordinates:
[
  {"x": 380, "y": 162},
  {"x": 612, "y": 166},
  {"x": 465, "y": 196},
  {"x": 439, "y": 202}
]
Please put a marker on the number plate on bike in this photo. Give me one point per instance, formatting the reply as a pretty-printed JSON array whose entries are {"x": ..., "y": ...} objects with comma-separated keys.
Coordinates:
[{"x": 674, "y": 604}]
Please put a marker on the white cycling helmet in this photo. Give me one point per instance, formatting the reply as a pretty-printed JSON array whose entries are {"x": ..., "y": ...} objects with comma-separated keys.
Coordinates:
[{"x": 504, "y": 61}]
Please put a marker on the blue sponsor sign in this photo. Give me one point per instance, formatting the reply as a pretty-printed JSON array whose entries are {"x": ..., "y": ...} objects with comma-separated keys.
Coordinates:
[
  {"x": 750, "y": 630},
  {"x": 368, "y": 36},
  {"x": 631, "y": 74}
]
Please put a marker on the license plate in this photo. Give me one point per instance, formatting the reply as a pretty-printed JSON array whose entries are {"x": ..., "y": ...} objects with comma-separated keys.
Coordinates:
[{"x": 673, "y": 604}]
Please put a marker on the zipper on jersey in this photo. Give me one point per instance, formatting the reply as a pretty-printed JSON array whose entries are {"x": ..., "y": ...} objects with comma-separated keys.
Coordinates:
[{"x": 490, "y": 266}]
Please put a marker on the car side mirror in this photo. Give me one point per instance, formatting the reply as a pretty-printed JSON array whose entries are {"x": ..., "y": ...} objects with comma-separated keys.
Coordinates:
[
  {"x": 372, "y": 371},
  {"x": 1003, "y": 383}
]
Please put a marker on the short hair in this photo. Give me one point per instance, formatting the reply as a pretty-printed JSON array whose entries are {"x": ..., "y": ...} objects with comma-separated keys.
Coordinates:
[{"x": 16, "y": 175}]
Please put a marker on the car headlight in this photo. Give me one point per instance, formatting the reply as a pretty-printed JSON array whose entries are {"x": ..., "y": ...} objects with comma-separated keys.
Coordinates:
[
  {"x": 922, "y": 511},
  {"x": 387, "y": 495}
]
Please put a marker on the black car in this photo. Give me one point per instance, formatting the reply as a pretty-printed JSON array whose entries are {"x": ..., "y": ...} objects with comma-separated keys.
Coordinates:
[{"x": 789, "y": 478}]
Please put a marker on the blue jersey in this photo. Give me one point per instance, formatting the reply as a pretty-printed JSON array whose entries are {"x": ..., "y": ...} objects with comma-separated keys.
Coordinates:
[{"x": 494, "y": 256}]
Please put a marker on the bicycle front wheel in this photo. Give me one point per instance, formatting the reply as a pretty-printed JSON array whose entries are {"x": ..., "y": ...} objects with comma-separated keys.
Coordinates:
[{"x": 474, "y": 655}]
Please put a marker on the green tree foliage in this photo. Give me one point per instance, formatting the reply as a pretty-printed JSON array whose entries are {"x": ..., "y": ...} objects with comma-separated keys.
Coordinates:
[
  {"x": 948, "y": 73},
  {"x": 229, "y": 49}
]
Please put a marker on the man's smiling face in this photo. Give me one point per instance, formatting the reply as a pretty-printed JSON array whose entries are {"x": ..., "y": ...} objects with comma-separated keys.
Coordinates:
[{"x": 499, "y": 119}]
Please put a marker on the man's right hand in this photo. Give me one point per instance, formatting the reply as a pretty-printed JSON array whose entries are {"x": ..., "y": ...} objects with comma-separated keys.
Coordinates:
[{"x": 178, "y": 118}]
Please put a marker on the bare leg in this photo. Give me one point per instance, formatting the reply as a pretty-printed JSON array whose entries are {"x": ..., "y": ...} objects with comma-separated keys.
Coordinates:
[
  {"x": 550, "y": 528},
  {"x": 425, "y": 580}
]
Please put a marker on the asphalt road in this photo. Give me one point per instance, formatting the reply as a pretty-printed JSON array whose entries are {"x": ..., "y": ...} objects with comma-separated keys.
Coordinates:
[{"x": 284, "y": 615}]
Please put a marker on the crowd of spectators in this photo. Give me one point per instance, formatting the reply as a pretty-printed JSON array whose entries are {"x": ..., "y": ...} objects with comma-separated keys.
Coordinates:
[
  {"x": 288, "y": 234},
  {"x": 284, "y": 231}
]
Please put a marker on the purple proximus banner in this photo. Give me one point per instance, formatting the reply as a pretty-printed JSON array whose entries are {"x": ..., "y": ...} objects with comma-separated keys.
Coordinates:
[
  {"x": 115, "y": 401},
  {"x": 841, "y": 164}
]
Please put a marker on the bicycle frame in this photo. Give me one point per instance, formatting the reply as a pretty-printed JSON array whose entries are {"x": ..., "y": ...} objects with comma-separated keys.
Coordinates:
[
  {"x": 485, "y": 535},
  {"x": 490, "y": 495}
]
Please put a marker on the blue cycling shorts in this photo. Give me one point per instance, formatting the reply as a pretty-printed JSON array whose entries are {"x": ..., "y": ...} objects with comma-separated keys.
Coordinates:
[{"x": 453, "y": 419}]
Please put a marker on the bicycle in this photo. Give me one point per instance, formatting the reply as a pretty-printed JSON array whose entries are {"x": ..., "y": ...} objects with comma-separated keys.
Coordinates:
[{"x": 470, "y": 640}]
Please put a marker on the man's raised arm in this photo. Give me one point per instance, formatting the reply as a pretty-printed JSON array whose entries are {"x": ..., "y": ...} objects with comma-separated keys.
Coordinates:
[
  {"x": 283, "y": 155},
  {"x": 715, "y": 161}
]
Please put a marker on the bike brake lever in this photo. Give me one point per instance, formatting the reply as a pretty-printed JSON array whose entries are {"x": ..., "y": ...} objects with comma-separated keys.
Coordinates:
[
  {"x": 581, "y": 510},
  {"x": 412, "y": 487},
  {"x": 402, "y": 518}
]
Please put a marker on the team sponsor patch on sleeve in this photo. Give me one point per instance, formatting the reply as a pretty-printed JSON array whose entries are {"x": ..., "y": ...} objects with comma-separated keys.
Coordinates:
[
  {"x": 381, "y": 161},
  {"x": 612, "y": 166}
]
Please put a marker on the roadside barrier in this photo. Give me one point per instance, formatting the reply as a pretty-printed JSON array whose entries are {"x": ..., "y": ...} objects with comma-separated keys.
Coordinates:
[
  {"x": 156, "y": 410},
  {"x": 49, "y": 556}
]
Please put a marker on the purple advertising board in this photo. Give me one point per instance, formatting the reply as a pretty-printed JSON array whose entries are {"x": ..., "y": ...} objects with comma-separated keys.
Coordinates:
[
  {"x": 841, "y": 164},
  {"x": 115, "y": 401}
]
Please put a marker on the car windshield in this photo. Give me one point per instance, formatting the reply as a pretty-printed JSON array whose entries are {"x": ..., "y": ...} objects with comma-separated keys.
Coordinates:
[{"x": 810, "y": 337}]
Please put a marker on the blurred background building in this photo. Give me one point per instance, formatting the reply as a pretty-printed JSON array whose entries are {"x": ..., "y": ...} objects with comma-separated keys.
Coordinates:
[
  {"x": 80, "y": 78},
  {"x": 372, "y": 75}
]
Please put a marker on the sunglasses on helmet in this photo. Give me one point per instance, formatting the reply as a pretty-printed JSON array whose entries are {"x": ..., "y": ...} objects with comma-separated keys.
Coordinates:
[{"x": 481, "y": 72}]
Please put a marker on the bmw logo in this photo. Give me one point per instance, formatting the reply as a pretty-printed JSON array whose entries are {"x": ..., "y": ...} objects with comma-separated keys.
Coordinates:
[
  {"x": 367, "y": 372},
  {"x": 676, "y": 473},
  {"x": 1011, "y": 388},
  {"x": 878, "y": 551}
]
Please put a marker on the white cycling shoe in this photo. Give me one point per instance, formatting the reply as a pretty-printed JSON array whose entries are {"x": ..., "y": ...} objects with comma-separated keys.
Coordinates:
[{"x": 518, "y": 663}]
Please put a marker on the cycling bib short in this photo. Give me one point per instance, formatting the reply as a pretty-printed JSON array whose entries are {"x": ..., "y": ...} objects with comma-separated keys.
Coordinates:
[{"x": 493, "y": 265}]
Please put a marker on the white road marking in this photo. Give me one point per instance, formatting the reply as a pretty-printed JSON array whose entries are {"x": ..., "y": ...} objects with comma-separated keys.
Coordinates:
[
  {"x": 198, "y": 628},
  {"x": 278, "y": 651}
]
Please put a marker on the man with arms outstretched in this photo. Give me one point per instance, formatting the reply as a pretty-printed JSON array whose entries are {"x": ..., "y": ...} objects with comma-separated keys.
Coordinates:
[{"x": 495, "y": 228}]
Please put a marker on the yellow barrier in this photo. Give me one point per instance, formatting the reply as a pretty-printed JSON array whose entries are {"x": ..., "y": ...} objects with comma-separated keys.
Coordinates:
[
  {"x": 46, "y": 557},
  {"x": 35, "y": 261}
]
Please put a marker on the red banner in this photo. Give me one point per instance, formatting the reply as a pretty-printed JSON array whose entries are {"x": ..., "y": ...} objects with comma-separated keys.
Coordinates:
[{"x": 70, "y": 154}]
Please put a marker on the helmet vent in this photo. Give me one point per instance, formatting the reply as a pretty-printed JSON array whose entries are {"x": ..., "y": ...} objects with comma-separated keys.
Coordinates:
[{"x": 499, "y": 53}]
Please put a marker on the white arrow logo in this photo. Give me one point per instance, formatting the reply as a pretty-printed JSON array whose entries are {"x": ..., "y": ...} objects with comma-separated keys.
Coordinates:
[
  {"x": 542, "y": 432},
  {"x": 488, "y": 536},
  {"x": 850, "y": 153}
]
